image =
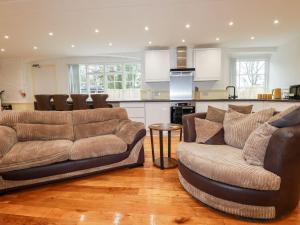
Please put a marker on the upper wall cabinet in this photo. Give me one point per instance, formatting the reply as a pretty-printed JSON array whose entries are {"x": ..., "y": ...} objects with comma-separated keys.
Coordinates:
[
  {"x": 157, "y": 65},
  {"x": 207, "y": 62}
]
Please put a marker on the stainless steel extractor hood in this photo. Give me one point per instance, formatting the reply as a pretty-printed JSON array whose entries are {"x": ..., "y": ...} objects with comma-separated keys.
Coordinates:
[{"x": 181, "y": 60}]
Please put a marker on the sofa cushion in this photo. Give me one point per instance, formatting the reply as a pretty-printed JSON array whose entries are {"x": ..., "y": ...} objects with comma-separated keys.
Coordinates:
[
  {"x": 206, "y": 130},
  {"x": 238, "y": 126},
  {"x": 128, "y": 129},
  {"x": 8, "y": 138},
  {"x": 97, "y": 146},
  {"x": 256, "y": 145},
  {"x": 35, "y": 153},
  {"x": 95, "y": 122},
  {"x": 215, "y": 114},
  {"x": 287, "y": 118},
  {"x": 225, "y": 164},
  {"x": 39, "y": 125},
  {"x": 245, "y": 109}
]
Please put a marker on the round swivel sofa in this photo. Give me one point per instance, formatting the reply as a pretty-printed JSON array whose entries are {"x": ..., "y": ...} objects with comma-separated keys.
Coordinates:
[{"x": 217, "y": 175}]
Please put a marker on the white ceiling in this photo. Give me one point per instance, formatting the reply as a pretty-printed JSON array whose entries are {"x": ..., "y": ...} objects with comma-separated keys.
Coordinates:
[{"x": 122, "y": 23}]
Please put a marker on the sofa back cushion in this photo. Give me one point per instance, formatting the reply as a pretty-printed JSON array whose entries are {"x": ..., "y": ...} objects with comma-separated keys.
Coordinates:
[
  {"x": 95, "y": 122},
  {"x": 39, "y": 125},
  {"x": 245, "y": 109},
  {"x": 287, "y": 118},
  {"x": 238, "y": 126}
]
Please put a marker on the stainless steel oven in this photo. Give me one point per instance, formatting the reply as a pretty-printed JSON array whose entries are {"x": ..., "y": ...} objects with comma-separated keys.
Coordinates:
[{"x": 180, "y": 109}]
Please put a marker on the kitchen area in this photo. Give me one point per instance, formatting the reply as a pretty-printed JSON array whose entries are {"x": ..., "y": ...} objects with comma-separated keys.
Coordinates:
[{"x": 183, "y": 71}]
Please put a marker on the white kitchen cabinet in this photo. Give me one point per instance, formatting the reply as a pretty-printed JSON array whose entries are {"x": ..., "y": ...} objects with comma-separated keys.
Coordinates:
[
  {"x": 157, "y": 112},
  {"x": 135, "y": 110},
  {"x": 207, "y": 62},
  {"x": 157, "y": 65}
]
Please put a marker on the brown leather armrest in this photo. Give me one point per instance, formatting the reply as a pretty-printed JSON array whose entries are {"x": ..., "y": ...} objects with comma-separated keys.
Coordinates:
[
  {"x": 188, "y": 122},
  {"x": 283, "y": 158}
]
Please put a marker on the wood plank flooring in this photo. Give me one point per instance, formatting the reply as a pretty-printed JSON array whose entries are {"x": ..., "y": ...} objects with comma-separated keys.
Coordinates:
[{"x": 138, "y": 196}]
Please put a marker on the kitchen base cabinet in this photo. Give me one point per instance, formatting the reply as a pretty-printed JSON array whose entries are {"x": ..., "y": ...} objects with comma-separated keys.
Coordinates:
[
  {"x": 157, "y": 112},
  {"x": 135, "y": 110}
]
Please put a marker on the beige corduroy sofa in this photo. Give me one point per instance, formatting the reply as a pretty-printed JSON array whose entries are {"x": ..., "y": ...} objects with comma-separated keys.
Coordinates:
[{"x": 41, "y": 147}]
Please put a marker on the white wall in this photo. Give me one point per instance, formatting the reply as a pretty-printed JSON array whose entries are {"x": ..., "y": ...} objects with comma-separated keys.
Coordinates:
[
  {"x": 15, "y": 76},
  {"x": 285, "y": 65}
]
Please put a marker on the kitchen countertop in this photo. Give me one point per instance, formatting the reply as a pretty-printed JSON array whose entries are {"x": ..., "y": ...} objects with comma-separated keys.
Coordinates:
[{"x": 205, "y": 100}]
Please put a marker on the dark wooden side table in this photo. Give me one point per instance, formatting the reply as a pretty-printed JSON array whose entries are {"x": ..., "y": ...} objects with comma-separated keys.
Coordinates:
[{"x": 164, "y": 162}]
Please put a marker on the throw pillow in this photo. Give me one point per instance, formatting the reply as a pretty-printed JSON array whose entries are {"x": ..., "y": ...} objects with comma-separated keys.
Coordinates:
[
  {"x": 245, "y": 109},
  {"x": 287, "y": 118},
  {"x": 238, "y": 126},
  {"x": 214, "y": 114},
  {"x": 209, "y": 132},
  {"x": 256, "y": 145}
]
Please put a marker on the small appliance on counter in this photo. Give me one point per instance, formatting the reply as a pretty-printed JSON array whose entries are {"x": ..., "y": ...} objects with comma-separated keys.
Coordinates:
[
  {"x": 294, "y": 92},
  {"x": 276, "y": 93},
  {"x": 180, "y": 109}
]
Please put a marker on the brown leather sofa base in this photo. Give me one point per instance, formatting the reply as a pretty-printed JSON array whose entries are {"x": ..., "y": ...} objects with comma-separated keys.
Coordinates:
[
  {"x": 139, "y": 163},
  {"x": 233, "y": 193}
]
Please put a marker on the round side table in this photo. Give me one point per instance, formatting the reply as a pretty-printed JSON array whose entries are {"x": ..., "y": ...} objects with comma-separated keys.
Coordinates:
[{"x": 164, "y": 162}]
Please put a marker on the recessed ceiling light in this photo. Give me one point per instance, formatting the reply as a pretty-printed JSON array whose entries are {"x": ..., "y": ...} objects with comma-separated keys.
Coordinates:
[
  {"x": 146, "y": 28},
  {"x": 187, "y": 26},
  {"x": 50, "y": 33},
  {"x": 109, "y": 44},
  {"x": 72, "y": 46},
  {"x": 252, "y": 38},
  {"x": 2, "y": 50},
  {"x": 150, "y": 42},
  {"x": 35, "y": 47},
  {"x": 231, "y": 23},
  {"x": 276, "y": 21},
  {"x": 217, "y": 39},
  {"x": 183, "y": 41},
  {"x": 6, "y": 36},
  {"x": 96, "y": 30}
]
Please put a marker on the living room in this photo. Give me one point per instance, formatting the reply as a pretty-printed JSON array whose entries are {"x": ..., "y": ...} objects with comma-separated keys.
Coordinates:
[{"x": 149, "y": 112}]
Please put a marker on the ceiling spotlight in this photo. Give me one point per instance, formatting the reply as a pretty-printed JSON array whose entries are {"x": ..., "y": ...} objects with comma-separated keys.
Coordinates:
[
  {"x": 231, "y": 23},
  {"x": 146, "y": 28},
  {"x": 187, "y": 26},
  {"x": 6, "y": 36},
  {"x": 96, "y": 30},
  {"x": 252, "y": 38},
  {"x": 276, "y": 21},
  {"x": 35, "y": 47},
  {"x": 2, "y": 50},
  {"x": 109, "y": 44},
  {"x": 72, "y": 46},
  {"x": 150, "y": 42},
  {"x": 50, "y": 33},
  {"x": 217, "y": 39},
  {"x": 183, "y": 41}
]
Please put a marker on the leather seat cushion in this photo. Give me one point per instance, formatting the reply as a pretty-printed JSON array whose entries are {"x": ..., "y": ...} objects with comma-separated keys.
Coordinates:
[
  {"x": 225, "y": 164},
  {"x": 97, "y": 146},
  {"x": 35, "y": 153}
]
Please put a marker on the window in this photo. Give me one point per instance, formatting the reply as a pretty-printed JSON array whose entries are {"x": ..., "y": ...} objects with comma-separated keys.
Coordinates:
[
  {"x": 98, "y": 78},
  {"x": 250, "y": 76}
]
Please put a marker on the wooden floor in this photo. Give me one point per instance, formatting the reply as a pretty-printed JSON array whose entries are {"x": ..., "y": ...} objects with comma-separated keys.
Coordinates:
[{"x": 138, "y": 196}]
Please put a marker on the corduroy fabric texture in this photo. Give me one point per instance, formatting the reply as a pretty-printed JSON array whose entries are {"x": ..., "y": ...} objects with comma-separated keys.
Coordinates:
[
  {"x": 8, "y": 137},
  {"x": 127, "y": 130},
  {"x": 238, "y": 126},
  {"x": 215, "y": 114},
  {"x": 250, "y": 211},
  {"x": 39, "y": 125},
  {"x": 225, "y": 164},
  {"x": 256, "y": 145},
  {"x": 97, "y": 146},
  {"x": 206, "y": 129},
  {"x": 132, "y": 158},
  {"x": 245, "y": 109},
  {"x": 35, "y": 153}
]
